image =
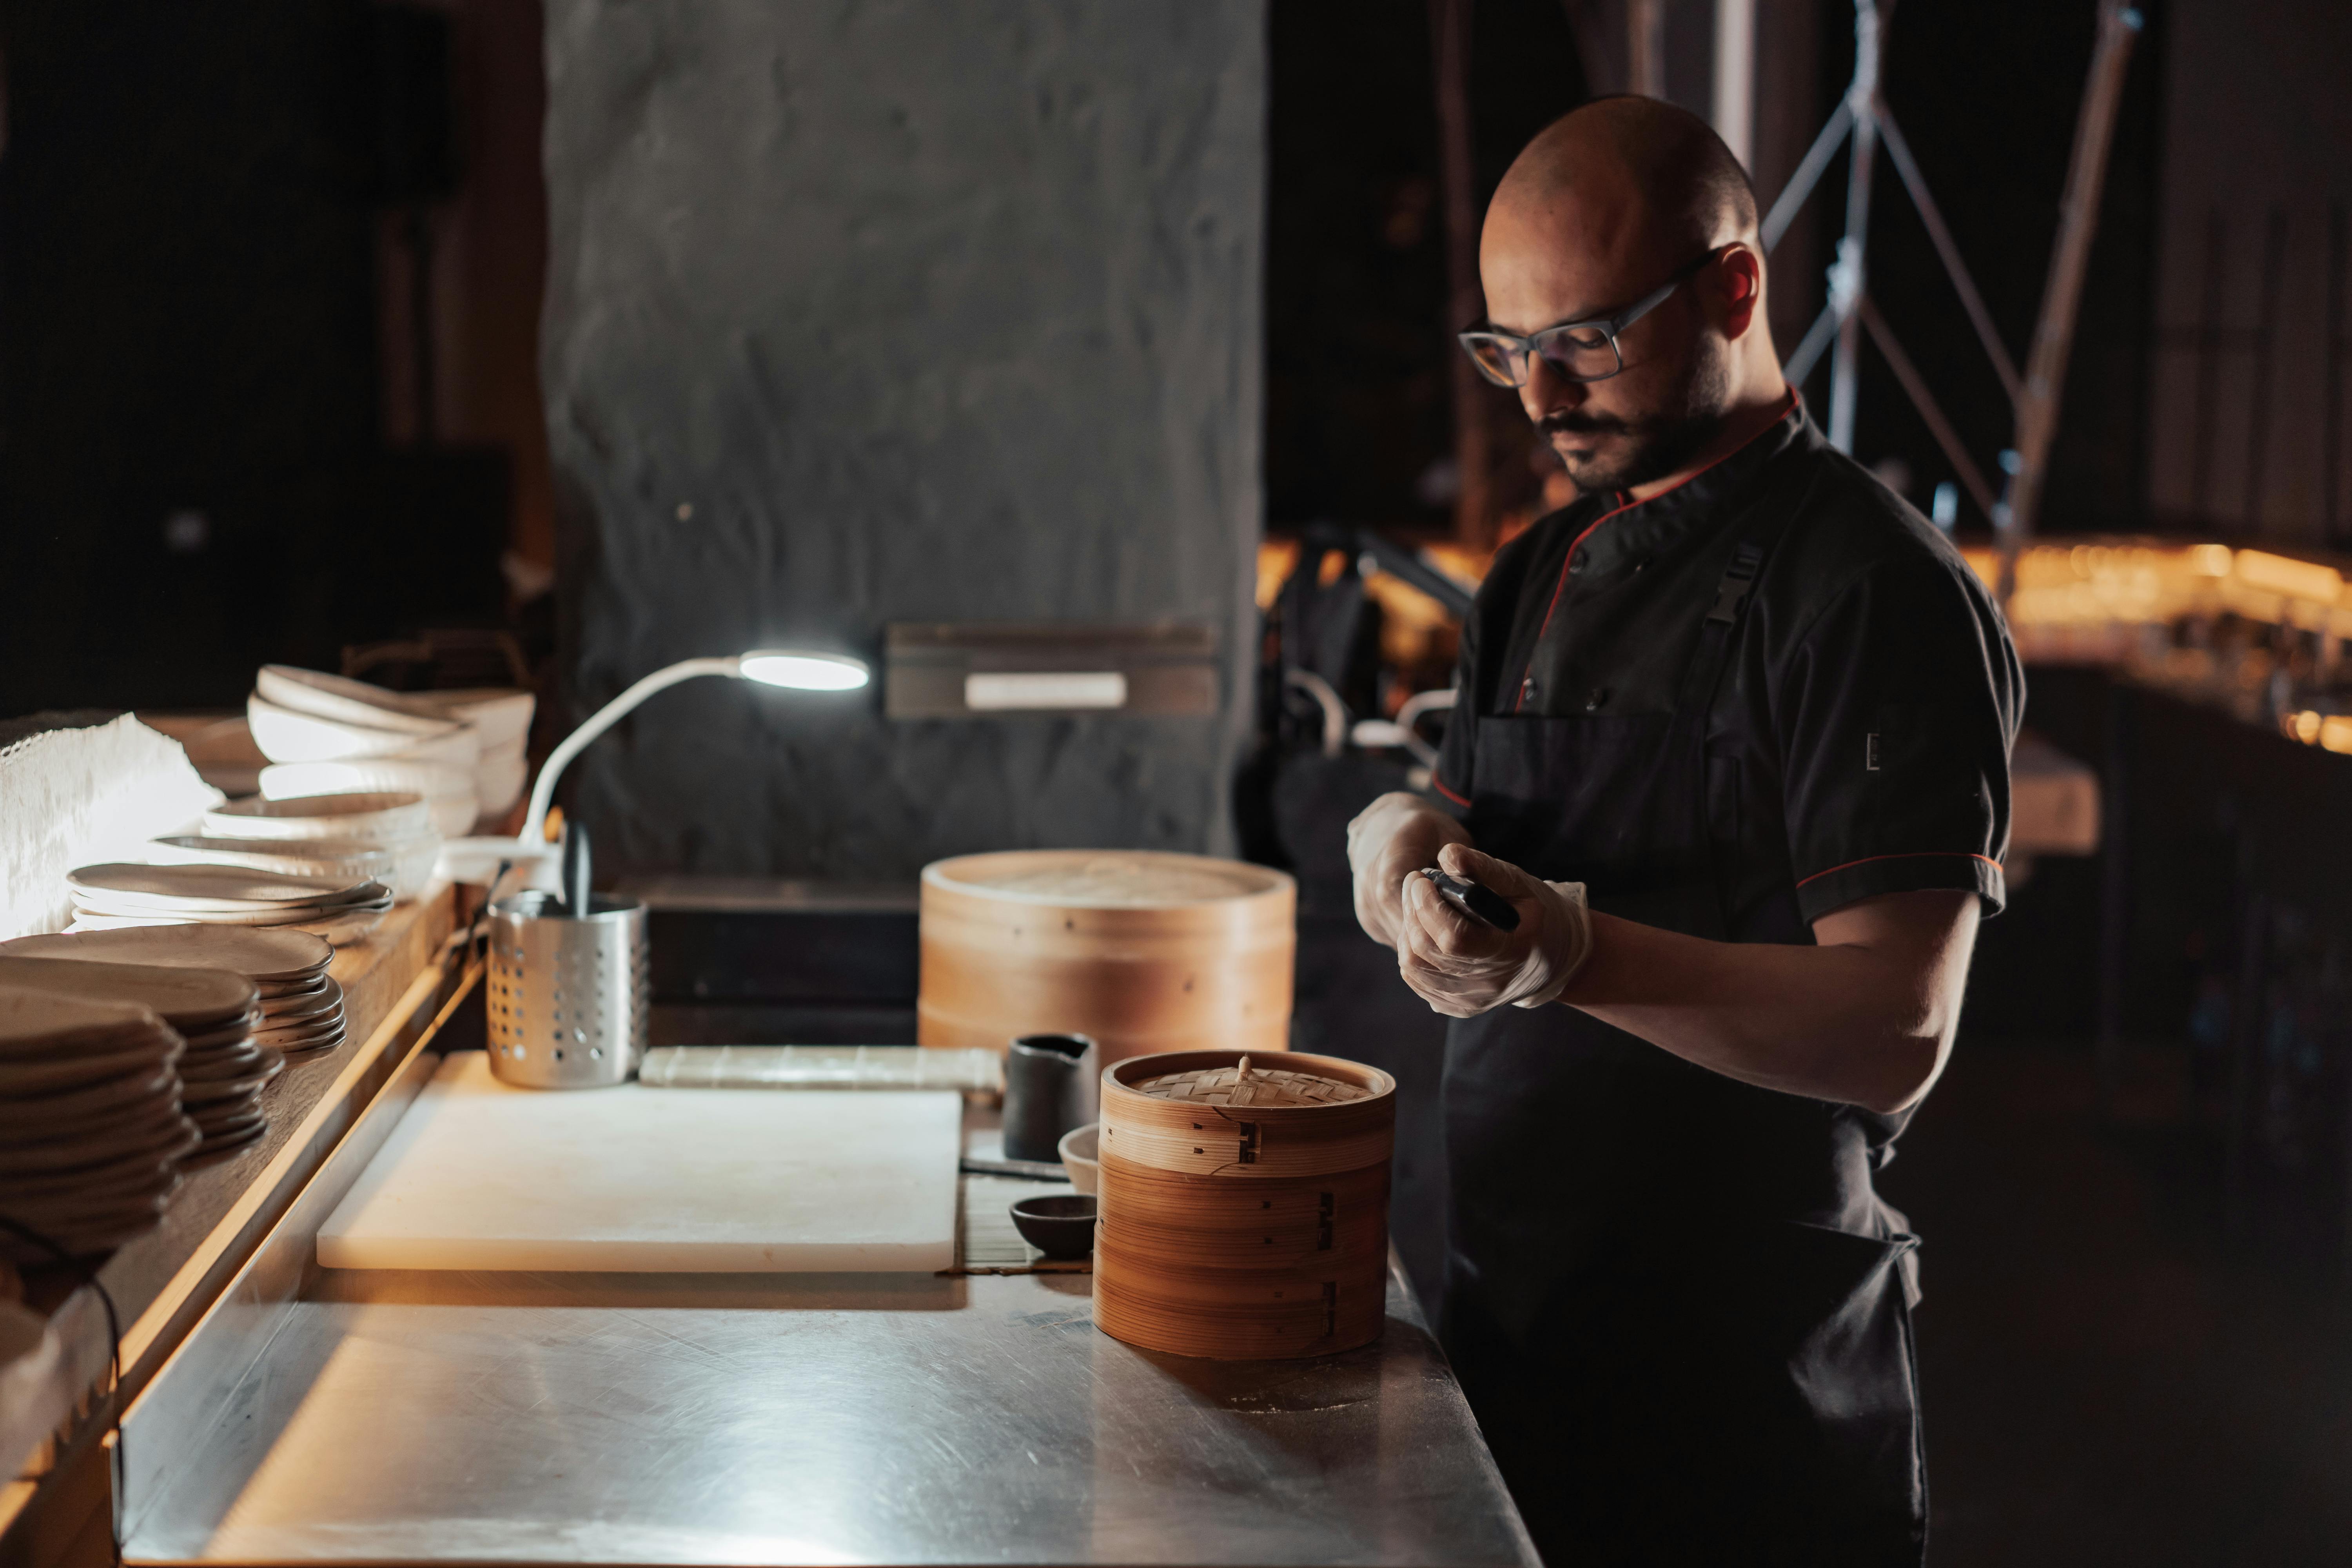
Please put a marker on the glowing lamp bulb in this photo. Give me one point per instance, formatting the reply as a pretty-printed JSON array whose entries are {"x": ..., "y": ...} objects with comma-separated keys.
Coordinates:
[{"x": 803, "y": 672}]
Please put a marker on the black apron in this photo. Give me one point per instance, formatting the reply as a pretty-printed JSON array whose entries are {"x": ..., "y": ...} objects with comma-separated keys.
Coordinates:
[{"x": 1680, "y": 1311}]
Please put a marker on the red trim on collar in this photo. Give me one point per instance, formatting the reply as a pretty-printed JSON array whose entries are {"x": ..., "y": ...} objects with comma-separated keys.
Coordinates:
[
  {"x": 1625, "y": 504},
  {"x": 1439, "y": 785}
]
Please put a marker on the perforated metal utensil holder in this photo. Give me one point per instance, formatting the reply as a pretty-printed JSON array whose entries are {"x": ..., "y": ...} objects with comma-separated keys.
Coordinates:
[{"x": 568, "y": 998}]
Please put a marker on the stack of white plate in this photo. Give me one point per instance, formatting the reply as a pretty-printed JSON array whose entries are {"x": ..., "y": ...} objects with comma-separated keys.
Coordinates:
[
  {"x": 91, "y": 1133},
  {"x": 384, "y": 837},
  {"x": 116, "y": 895},
  {"x": 301, "y": 1004},
  {"x": 214, "y": 1011},
  {"x": 462, "y": 750}
]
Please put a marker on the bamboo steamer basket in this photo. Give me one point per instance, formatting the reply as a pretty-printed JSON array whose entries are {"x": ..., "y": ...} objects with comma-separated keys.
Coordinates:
[
  {"x": 1143, "y": 951},
  {"x": 1250, "y": 1225}
]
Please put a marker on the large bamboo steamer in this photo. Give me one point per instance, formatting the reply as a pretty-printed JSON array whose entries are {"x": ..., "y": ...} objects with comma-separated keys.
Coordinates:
[
  {"x": 1144, "y": 952},
  {"x": 1244, "y": 1231}
]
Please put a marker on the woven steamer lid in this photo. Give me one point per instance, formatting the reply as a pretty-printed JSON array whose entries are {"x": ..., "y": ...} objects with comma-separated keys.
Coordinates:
[
  {"x": 1298, "y": 1115},
  {"x": 1242, "y": 1085},
  {"x": 1053, "y": 902},
  {"x": 1106, "y": 878}
]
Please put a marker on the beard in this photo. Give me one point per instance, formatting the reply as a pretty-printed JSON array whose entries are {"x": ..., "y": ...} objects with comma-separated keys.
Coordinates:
[{"x": 1648, "y": 446}]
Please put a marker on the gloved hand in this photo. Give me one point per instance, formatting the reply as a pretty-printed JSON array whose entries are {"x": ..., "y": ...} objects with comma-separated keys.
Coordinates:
[
  {"x": 1391, "y": 839},
  {"x": 1462, "y": 967}
]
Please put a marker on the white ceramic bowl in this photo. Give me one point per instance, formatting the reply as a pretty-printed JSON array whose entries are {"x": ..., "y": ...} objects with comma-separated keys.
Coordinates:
[
  {"x": 1081, "y": 1152},
  {"x": 287, "y": 736},
  {"x": 406, "y": 867},
  {"x": 383, "y": 816},
  {"x": 499, "y": 778},
  {"x": 448, "y": 792},
  {"x": 501, "y": 713},
  {"x": 348, "y": 701}
]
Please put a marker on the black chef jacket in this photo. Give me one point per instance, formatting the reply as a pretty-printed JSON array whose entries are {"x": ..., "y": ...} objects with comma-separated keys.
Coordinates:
[{"x": 1675, "y": 1298}]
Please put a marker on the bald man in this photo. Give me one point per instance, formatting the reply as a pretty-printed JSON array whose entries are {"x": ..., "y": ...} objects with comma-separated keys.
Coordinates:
[{"x": 1732, "y": 738}]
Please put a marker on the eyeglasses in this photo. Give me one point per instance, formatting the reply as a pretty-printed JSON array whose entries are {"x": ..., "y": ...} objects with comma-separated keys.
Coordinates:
[{"x": 1581, "y": 350}]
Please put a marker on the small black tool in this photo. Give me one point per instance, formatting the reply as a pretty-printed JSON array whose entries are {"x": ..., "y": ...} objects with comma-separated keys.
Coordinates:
[
  {"x": 1480, "y": 902},
  {"x": 576, "y": 896}
]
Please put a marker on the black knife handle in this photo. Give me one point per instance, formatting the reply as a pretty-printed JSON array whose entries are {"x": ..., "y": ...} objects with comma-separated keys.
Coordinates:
[
  {"x": 576, "y": 896},
  {"x": 1480, "y": 902}
]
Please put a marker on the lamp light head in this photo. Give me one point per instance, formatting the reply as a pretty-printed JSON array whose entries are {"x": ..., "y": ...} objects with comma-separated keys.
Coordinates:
[{"x": 801, "y": 670}]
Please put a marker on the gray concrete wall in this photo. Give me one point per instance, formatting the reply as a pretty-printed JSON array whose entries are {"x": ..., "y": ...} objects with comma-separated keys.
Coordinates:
[{"x": 870, "y": 311}]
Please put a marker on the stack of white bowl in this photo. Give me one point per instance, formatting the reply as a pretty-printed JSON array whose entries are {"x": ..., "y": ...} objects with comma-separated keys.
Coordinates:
[
  {"x": 384, "y": 836},
  {"x": 326, "y": 734},
  {"x": 501, "y": 716}
]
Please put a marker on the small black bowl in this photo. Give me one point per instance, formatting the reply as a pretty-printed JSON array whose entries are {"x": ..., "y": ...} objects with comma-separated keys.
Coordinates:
[{"x": 1058, "y": 1226}]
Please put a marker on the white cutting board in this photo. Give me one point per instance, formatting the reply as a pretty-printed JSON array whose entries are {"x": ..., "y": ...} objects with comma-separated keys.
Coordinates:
[{"x": 481, "y": 1175}]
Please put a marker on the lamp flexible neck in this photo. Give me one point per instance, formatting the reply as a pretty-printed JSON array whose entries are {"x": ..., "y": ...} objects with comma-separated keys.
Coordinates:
[{"x": 534, "y": 825}]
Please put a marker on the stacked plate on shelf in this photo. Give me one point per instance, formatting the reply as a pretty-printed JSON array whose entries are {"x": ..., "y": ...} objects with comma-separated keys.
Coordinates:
[
  {"x": 462, "y": 750},
  {"x": 384, "y": 836},
  {"x": 91, "y": 1133},
  {"x": 301, "y": 1004},
  {"x": 215, "y": 1013},
  {"x": 117, "y": 895}
]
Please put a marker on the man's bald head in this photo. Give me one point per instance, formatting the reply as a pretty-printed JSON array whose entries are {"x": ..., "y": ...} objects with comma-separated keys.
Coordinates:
[
  {"x": 1607, "y": 205},
  {"x": 1637, "y": 162}
]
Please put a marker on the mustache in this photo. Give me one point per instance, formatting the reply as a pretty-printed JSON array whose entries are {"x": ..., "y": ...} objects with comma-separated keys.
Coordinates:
[{"x": 1578, "y": 423}]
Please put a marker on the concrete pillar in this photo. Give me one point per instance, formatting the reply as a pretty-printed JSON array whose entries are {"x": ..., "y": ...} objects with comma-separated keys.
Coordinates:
[{"x": 869, "y": 313}]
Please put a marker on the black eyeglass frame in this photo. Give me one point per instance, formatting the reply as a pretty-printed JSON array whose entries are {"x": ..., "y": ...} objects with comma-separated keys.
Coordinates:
[{"x": 1522, "y": 349}]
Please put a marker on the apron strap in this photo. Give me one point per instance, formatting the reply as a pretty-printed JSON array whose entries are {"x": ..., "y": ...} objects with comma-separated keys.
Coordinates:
[
  {"x": 1765, "y": 522},
  {"x": 1784, "y": 491}
]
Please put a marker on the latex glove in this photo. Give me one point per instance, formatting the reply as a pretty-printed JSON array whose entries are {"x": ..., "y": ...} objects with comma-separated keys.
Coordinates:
[
  {"x": 1391, "y": 839},
  {"x": 1463, "y": 967}
]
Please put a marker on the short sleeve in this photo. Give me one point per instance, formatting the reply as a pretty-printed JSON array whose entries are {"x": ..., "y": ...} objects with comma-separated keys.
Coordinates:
[
  {"x": 1896, "y": 711},
  {"x": 1449, "y": 781}
]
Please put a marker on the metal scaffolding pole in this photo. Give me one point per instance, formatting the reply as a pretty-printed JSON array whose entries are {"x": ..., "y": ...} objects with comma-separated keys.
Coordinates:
[
  {"x": 1734, "y": 111},
  {"x": 2053, "y": 335},
  {"x": 1449, "y": 34},
  {"x": 1849, "y": 275},
  {"x": 1863, "y": 119},
  {"x": 1646, "y": 46}
]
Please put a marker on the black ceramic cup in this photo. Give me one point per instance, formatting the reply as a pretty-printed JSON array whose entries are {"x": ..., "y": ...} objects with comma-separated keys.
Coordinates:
[{"x": 1050, "y": 1087}]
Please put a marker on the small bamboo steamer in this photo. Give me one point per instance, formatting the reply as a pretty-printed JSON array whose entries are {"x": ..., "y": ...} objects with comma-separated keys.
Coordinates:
[
  {"x": 1142, "y": 951},
  {"x": 1244, "y": 1230},
  {"x": 1267, "y": 1325}
]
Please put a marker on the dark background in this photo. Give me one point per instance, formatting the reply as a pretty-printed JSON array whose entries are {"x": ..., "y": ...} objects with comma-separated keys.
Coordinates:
[
  {"x": 196, "y": 470},
  {"x": 1359, "y": 350},
  {"x": 198, "y": 291},
  {"x": 217, "y": 448}
]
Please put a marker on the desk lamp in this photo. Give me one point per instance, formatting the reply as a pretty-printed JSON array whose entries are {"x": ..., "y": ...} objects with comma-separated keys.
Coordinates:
[{"x": 797, "y": 670}]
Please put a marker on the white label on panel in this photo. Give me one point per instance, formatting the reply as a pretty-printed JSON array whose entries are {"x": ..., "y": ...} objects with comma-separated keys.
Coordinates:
[{"x": 1044, "y": 689}]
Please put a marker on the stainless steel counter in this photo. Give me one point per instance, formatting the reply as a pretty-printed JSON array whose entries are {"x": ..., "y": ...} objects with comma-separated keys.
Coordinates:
[{"x": 332, "y": 1416}]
